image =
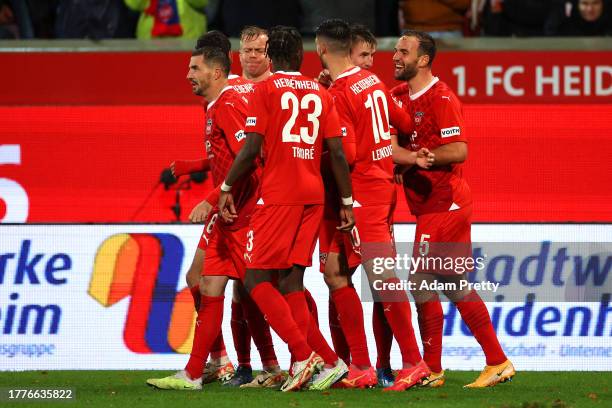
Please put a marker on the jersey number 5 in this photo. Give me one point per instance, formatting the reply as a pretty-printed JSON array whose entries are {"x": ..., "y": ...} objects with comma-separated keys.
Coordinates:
[
  {"x": 290, "y": 101},
  {"x": 380, "y": 117}
]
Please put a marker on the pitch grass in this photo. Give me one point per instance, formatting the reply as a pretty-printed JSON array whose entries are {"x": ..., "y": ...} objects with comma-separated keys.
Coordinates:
[{"x": 128, "y": 389}]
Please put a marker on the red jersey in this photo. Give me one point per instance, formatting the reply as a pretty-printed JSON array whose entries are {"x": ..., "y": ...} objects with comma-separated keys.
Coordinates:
[
  {"x": 363, "y": 105},
  {"x": 438, "y": 119},
  {"x": 294, "y": 114},
  {"x": 224, "y": 138}
]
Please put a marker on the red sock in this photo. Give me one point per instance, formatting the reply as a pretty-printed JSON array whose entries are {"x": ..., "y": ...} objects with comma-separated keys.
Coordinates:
[
  {"x": 382, "y": 335},
  {"x": 195, "y": 293},
  {"x": 431, "y": 321},
  {"x": 319, "y": 344},
  {"x": 396, "y": 307},
  {"x": 278, "y": 314},
  {"x": 260, "y": 330},
  {"x": 350, "y": 315},
  {"x": 338, "y": 340},
  {"x": 476, "y": 316},
  {"x": 217, "y": 350},
  {"x": 241, "y": 335},
  {"x": 208, "y": 325},
  {"x": 312, "y": 306},
  {"x": 304, "y": 320}
]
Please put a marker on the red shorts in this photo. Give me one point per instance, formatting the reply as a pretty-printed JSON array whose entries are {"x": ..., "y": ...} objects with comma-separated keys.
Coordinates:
[
  {"x": 281, "y": 236},
  {"x": 375, "y": 231},
  {"x": 208, "y": 229},
  {"x": 334, "y": 241},
  {"x": 443, "y": 235},
  {"x": 225, "y": 253}
]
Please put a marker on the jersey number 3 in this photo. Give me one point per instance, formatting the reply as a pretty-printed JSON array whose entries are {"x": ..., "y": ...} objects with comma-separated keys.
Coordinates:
[{"x": 309, "y": 102}]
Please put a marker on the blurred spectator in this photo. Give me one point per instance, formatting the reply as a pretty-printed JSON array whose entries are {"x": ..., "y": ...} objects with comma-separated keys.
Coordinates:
[
  {"x": 440, "y": 18},
  {"x": 521, "y": 18},
  {"x": 15, "y": 20},
  {"x": 234, "y": 15},
  {"x": 580, "y": 18},
  {"x": 94, "y": 19},
  {"x": 387, "y": 24},
  {"x": 42, "y": 14},
  {"x": 316, "y": 11},
  {"x": 169, "y": 18},
  {"x": 8, "y": 27}
]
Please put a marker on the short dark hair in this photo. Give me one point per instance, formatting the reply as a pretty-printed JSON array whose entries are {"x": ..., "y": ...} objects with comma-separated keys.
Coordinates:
[
  {"x": 214, "y": 56},
  {"x": 214, "y": 38},
  {"x": 360, "y": 32},
  {"x": 336, "y": 33},
  {"x": 285, "y": 48},
  {"x": 251, "y": 32},
  {"x": 427, "y": 45}
]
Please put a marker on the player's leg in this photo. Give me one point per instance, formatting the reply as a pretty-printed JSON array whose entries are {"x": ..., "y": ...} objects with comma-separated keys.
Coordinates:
[
  {"x": 329, "y": 260},
  {"x": 377, "y": 246},
  {"x": 241, "y": 336},
  {"x": 383, "y": 337},
  {"x": 269, "y": 242},
  {"x": 431, "y": 322},
  {"x": 476, "y": 316},
  {"x": 219, "y": 366},
  {"x": 208, "y": 325},
  {"x": 271, "y": 376},
  {"x": 291, "y": 284}
]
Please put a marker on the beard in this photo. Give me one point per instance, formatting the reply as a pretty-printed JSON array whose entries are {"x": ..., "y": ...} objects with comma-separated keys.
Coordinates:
[{"x": 409, "y": 72}]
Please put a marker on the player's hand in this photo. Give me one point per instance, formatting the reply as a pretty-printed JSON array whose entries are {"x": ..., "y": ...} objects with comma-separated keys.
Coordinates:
[
  {"x": 398, "y": 173},
  {"x": 347, "y": 219},
  {"x": 425, "y": 158},
  {"x": 200, "y": 212},
  {"x": 226, "y": 206},
  {"x": 324, "y": 78}
]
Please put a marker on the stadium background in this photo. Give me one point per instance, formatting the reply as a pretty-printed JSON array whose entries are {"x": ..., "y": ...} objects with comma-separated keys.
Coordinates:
[{"x": 86, "y": 128}]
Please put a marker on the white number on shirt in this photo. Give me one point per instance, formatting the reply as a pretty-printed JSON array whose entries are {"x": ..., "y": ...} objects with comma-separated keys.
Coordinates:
[
  {"x": 380, "y": 127},
  {"x": 290, "y": 101}
]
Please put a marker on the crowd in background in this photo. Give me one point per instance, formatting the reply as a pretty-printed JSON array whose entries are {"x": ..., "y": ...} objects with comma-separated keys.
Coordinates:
[{"x": 145, "y": 19}]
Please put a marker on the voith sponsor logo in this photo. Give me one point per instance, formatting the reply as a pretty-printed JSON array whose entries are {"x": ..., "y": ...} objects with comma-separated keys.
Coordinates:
[{"x": 451, "y": 131}]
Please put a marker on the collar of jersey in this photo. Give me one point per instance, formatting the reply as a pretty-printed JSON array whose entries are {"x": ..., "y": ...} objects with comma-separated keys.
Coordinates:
[
  {"x": 351, "y": 71},
  {"x": 288, "y": 73},
  {"x": 210, "y": 104},
  {"x": 232, "y": 76},
  {"x": 422, "y": 91}
]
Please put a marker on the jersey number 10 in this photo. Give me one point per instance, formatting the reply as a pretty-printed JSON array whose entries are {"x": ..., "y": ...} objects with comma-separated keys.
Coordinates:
[
  {"x": 380, "y": 120},
  {"x": 290, "y": 101}
]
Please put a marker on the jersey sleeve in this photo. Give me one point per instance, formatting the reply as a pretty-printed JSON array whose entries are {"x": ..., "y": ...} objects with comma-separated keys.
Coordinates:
[
  {"x": 231, "y": 116},
  {"x": 449, "y": 117},
  {"x": 257, "y": 113},
  {"x": 330, "y": 121},
  {"x": 399, "y": 118},
  {"x": 346, "y": 127}
]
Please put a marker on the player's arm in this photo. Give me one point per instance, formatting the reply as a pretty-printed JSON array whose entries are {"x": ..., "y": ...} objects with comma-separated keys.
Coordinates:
[
  {"x": 407, "y": 158},
  {"x": 182, "y": 167},
  {"x": 449, "y": 117},
  {"x": 243, "y": 164},
  {"x": 341, "y": 172},
  {"x": 455, "y": 152}
]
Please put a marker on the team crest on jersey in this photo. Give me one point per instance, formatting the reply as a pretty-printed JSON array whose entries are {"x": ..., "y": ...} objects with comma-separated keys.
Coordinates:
[
  {"x": 418, "y": 116},
  {"x": 239, "y": 135},
  {"x": 209, "y": 126}
]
